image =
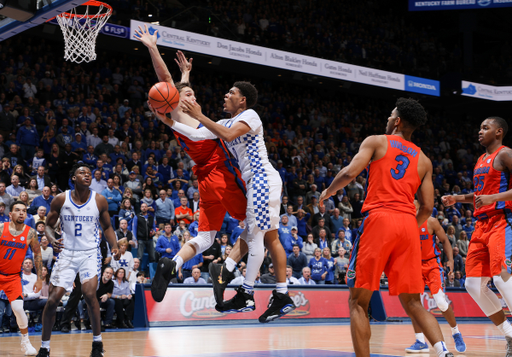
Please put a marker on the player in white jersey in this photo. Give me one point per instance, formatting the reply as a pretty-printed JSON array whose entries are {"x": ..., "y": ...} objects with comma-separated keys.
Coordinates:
[
  {"x": 243, "y": 135},
  {"x": 81, "y": 213}
]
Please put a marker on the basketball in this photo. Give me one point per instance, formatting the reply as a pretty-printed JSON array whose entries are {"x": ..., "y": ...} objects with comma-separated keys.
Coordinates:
[{"x": 164, "y": 97}]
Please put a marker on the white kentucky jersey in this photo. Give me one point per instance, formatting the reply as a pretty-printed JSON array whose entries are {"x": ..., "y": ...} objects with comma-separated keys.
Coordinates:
[
  {"x": 80, "y": 224},
  {"x": 249, "y": 149}
]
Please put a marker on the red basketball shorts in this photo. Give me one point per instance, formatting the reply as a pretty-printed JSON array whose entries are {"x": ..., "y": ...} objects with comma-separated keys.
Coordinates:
[
  {"x": 490, "y": 248},
  {"x": 433, "y": 275},
  {"x": 11, "y": 285},
  {"x": 387, "y": 241},
  {"x": 220, "y": 190}
]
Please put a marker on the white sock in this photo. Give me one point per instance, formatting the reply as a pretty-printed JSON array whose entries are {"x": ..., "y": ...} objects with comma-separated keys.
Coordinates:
[
  {"x": 505, "y": 328},
  {"x": 282, "y": 288},
  {"x": 455, "y": 330},
  {"x": 248, "y": 286},
  {"x": 45, "y": 344},
  {"x": 441, "y": 349},
  {"x": 230, "y": 264},
  {"x": 420, "y": 337},
  {"x": 97, "y": 338},
  {"x": 24, "y": 337},
  {"x": 179, "y": 262}
]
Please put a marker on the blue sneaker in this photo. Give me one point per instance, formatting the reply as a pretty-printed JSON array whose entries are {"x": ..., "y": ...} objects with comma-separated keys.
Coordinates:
[
  {"x": 417, "y": 347},
  {"x": 460, "y": 346}
]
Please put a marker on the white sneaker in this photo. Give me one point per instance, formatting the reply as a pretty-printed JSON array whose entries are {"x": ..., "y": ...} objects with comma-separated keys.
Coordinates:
[{"x": 27, "y": 348}]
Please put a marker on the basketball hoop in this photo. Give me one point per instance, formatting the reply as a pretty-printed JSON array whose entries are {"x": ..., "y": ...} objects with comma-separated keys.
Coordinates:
[{"x": 81, "y": 30}]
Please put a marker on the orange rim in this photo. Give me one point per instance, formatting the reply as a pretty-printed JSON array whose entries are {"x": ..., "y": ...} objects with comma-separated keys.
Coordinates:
[{"x": 90, "y": 3}]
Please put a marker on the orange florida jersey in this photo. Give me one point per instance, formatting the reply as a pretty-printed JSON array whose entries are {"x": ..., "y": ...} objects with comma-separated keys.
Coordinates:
[
  {"x": 208, "y": 154},
  {"x": 393, "y": 180},
  {"x": 489, "y": 181},
  {"x": 12, "y": 250},
  {"x": 429, "y": 248}
]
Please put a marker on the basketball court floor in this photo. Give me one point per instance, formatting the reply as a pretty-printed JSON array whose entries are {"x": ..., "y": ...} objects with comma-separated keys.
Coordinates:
[{"x": 277, "y": 340}]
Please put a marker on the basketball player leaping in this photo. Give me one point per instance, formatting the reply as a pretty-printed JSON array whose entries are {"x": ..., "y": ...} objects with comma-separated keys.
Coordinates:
[
  {"x": 433, "y": 277},
  {"x": 14, "y": 242},
  {"x": 490, "y": 249},
  {"x": 388, "y": 239},
  {"x": 81, "y": 212}
]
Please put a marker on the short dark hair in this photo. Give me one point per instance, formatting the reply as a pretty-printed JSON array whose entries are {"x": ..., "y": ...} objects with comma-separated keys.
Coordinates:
[
  {"x": 76, "y": 166},
  {"x": 167, "y": 224},
  {"x": 249, "y": 91},
  {"x": 501, "y": 123},
  {"x": 180, "y": 85},
  {"x": 411, "y": 111},
  {"x": 16, "y": 203}
]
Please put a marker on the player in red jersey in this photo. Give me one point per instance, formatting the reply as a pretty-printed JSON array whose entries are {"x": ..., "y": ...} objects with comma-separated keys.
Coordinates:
[
  {"x": 14, "y": 242},
  {"x": 388, "y": 239},
  {"x": 221, "y": 187},
  {"x": 490, "y": 249},
  {"x": 433, "y": 277}
]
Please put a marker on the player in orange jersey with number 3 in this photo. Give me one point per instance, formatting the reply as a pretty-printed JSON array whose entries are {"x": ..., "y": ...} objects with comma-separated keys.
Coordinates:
[
  {"x": 388, "y": 239},
  {"x": 490, "y": 250}
]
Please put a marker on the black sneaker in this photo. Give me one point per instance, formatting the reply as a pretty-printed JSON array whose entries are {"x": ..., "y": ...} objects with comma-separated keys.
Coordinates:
[
  {"x": 279, "y": 305},
  {"x": 165, "y": 271},
  {"x": 65, "y": 328},
  {"x": 241, "y": 302},
  {"x": 43, "y": 352},
  {"x": 221, "y": 277},
  {"x": 97, "y": 349}
]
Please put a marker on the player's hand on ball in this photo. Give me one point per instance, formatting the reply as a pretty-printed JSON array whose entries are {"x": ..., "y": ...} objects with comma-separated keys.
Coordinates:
[
  {"x": 116, "y": 253},
  {"x": 448, "y": 200},
  {"x": 162, "y": 117}
]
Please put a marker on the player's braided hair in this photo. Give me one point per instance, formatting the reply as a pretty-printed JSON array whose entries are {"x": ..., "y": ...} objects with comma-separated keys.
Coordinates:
[
  {"x": 501, "y": 123},
  {"x": 249, "y": 91},
  {"x": 76, "y": 166},
  {"x": 411, "y": 111}
]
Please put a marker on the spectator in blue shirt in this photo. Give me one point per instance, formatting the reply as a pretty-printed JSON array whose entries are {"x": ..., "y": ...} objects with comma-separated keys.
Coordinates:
[
  {"x": 187, "y": 267},
  {"x": 302, "y": 222},
  {"x": 319, "y": 267},
  {"x": 296, "y": 239},
  {"x": 113, "y": 197},
  {"x": 27, "y": 138},
  {"x": 3, "y": 217},
  {"x": 164, "y": 208},
  {"x": 44, "y": 200},
  {"x": 79, "y": 144},
  {"x": 297, "y": 260},
  {"x": 168, "y": 245},
  {"x": 194, "y": 226},
  {"x": 195, "y": 278},
  {"x": 336, "y": 220},
  {"x": 285, "y": 235},
  {"x": 326, "y": 254},
  {"x": 468, "y": 228},
  {"x": 89, "y": 158}
]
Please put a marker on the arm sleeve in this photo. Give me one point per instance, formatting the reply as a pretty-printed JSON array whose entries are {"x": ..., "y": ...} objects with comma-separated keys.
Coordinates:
[{"x": 193, "y": 134}]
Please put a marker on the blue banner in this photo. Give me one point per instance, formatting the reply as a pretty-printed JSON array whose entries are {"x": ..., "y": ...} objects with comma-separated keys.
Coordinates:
[
  {"x": 422, "y": 85},
  {"x": 425, "y": 5}
]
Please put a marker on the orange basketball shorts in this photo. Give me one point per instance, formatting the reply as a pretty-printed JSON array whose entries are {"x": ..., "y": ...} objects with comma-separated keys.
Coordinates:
[
  {"x": 490, "y": 248},
  {"x": 433, "y": 275},
  {"x": 11, "y": 285},
  {"x": 387, "y": 241},
  {"x": 221, "y": 190}
]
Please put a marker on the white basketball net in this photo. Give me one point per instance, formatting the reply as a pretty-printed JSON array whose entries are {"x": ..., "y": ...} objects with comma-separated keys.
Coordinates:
[{"x": 81, "y": 30}]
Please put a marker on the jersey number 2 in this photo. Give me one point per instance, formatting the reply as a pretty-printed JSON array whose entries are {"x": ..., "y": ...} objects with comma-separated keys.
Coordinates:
[
  {"x": 399, "y": 171},
  {"x": 78, "y": 230}
]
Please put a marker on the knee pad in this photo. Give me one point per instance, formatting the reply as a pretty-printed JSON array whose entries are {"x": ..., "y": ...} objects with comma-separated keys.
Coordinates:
[
  {"x": 484, "y": 297},
  {"x": 203, "y": 241},
  {"x": 503, "y": 283},
  {"x": 19, "y": 312},
  {"x": 441, "y": 302}
]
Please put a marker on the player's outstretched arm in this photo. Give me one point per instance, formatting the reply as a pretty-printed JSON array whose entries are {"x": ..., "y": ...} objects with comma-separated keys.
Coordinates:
[
  {"x": 504, "y": 161},
  {"x": 108, "y": 231},
  {"x": 51, "y": 222},
  {"x": 450, "y": 200},
  {"x": 356, "y": 166},
  {"x": 185, "y": 66},
  {"x": 443, "y": 238},
  {"x": 143, "y": 35},
  {"x": 425, "y": 193},
  {"x": 38, "y": 259}
]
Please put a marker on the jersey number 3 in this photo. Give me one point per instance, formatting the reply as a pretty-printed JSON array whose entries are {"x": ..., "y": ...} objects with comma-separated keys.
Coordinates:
[{"x": 399, "y": 171}]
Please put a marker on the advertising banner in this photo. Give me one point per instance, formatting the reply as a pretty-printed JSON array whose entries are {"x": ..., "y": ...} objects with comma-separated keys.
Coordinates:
[
  {"x": 418, "y": 5},
  {"x": 487, "y": 92},
  {"x": 219, "y": 47},
  {"x": 182, "y": 306},
  {"x": 462, "y": 303}
]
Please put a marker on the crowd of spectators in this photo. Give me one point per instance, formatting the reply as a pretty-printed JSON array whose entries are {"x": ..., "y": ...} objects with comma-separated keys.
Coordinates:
[{"x": 53, "y": 114}]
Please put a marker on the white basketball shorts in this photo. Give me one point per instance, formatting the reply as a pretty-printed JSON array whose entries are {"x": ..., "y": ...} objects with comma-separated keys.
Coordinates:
[{"x": 87, "y": 263}]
